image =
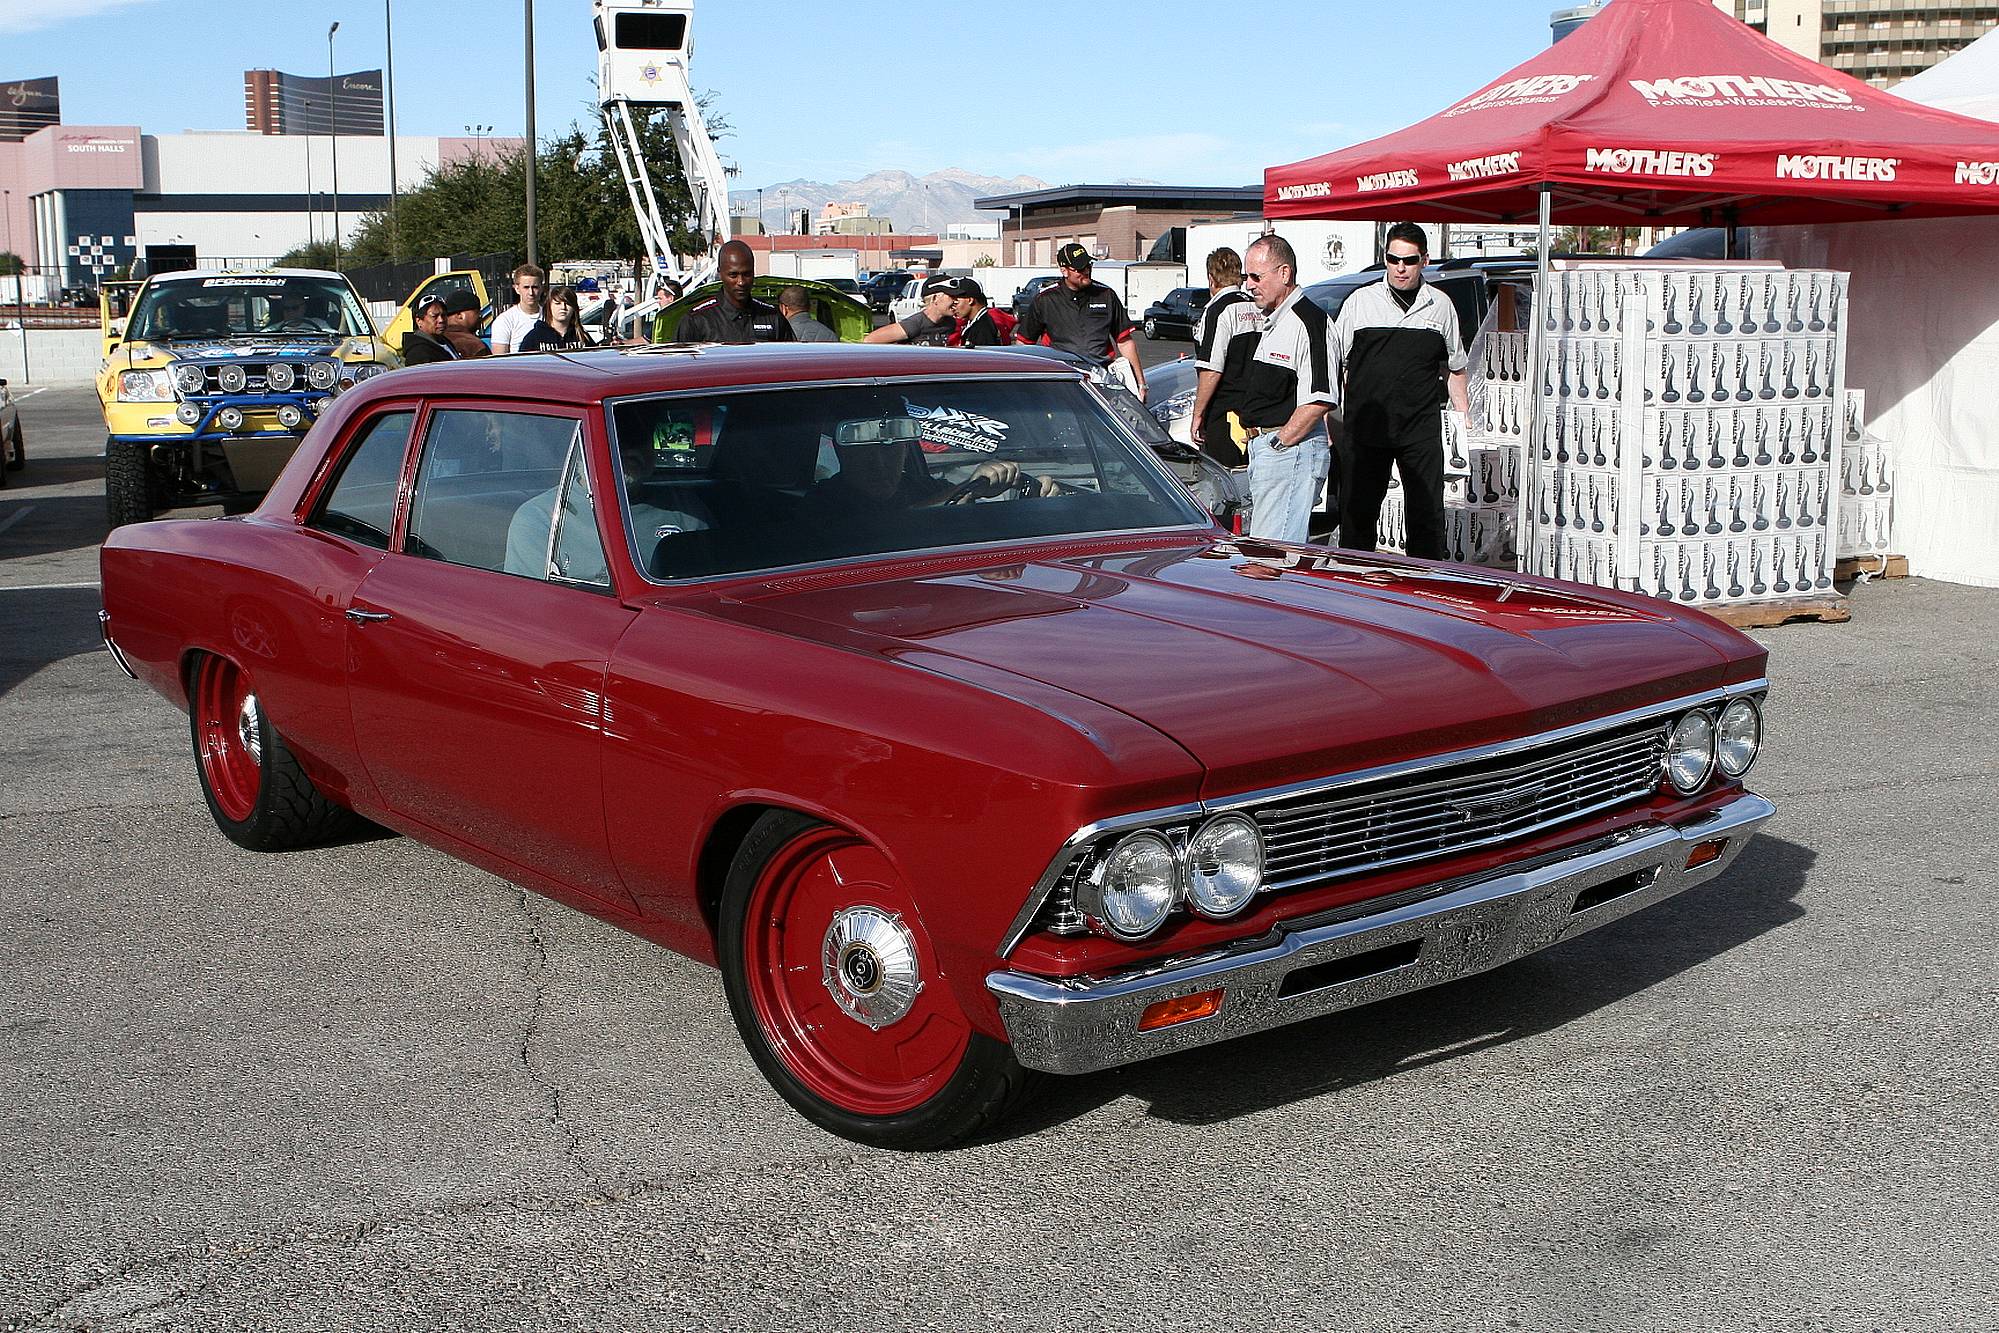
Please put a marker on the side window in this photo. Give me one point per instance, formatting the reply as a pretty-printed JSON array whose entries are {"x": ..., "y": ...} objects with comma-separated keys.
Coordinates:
[
  {"x": 362, "y": 503},
  {"x": 507, "y": 491}
]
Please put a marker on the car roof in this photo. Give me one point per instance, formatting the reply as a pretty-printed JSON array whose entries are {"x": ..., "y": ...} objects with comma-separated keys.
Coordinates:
[
  {"x": 575, "y": 378},
  {"x": 194, "y": 274}
]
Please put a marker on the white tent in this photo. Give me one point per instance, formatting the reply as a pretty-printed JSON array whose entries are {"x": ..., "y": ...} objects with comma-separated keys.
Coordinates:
[{"x": 1923, "y": 341}]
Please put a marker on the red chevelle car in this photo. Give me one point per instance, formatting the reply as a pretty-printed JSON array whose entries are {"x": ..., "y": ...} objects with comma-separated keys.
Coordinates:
[{"x": 908, "y": 687}]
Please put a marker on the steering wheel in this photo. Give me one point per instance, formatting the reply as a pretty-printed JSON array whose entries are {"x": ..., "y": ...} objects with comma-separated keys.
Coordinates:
[
  {"x": 301, "y": 325},
  {"x": 1023, "y": 487}
]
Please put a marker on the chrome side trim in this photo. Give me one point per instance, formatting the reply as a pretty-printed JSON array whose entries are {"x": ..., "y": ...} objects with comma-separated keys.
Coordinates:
[
  {"x": 1038, "y": 896},
  {"x": 111, "y": 644},
  {"x": 1074, "y": 1027}
]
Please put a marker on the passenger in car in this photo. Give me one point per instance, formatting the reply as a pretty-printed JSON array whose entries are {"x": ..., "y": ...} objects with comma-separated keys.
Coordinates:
[{"x": 539, "y": 548}]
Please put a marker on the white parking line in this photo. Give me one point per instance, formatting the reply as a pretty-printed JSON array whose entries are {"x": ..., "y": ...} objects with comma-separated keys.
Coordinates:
[
  {"x": 16, "y": 517},
  {"x": 30, "y": 393},
  {"x": 46, "y": 587}
]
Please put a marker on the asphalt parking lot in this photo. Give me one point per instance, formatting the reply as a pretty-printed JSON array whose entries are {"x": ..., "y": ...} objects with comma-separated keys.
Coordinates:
[{"x": 369, "y": 1087}]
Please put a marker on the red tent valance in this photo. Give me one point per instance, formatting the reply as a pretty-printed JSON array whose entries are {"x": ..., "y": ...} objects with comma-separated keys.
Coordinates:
[{"x": 1660, "y": 112}]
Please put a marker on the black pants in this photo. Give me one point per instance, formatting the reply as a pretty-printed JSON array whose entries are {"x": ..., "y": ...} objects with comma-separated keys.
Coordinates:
[{"x": 1364, "y": 481}]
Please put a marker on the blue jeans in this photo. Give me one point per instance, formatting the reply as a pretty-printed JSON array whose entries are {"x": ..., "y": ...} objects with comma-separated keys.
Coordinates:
[{"x": 1284, "y": 484}]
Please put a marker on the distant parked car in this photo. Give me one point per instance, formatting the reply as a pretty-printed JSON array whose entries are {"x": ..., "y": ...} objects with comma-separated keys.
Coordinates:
[
  {"x": 13, "y": 456},
  {"x": 910, "y": 299},
  {"x": 1175, "y": 314},
  {"x": 881, "y": 288},
  {"x": 848, "y": 287},
  {"x": 1030, "y": 289}
]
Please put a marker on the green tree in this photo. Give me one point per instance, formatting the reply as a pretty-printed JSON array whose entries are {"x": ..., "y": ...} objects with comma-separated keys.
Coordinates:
[
  {"x": 581, "y": 209},
  {"x": 313, "y": 254},
  {"x": 10, "y": 264}
]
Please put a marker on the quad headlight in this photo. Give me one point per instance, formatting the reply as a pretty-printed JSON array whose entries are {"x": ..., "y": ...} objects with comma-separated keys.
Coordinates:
[
  {"x": 188, "y": 414},
  {"x": 280, "y": 377},
  {"x": 229, "y": 419},
  {"x": 1131, "y": 893},
  {"x": 145, "y": 386},
  {"x": 1690, "y": 751},
  {"x": 231, "y": 379},
  {"x": 322, "y": 374},
  {"x": 1224, "y": 866},
  {"x": 189, "y": 378},
  {"x": 1738, "y": 737},
  {"x": 289, "y": 417},
  {"x": 358, "y": 372}
]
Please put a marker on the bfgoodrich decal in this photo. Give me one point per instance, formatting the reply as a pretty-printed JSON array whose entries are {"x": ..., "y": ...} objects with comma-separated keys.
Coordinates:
[
  {"x": 1807, "y": 167},
  {"x": 1387, "y": 180},
  {"x": 1648, "y": 162}
]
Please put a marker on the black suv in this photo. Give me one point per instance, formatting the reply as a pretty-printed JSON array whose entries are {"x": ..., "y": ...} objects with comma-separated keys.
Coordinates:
[
  {"x": 1030, "y": 289},
  {"x": 1175, "y": 314},
  {"x": 878, "y": 289}
]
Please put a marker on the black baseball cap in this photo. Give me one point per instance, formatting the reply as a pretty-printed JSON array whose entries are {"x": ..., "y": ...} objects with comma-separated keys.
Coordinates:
[
  {"x": 1073, "y": 255},
  {"x": 428, "y": 300},
  {"x": 967, "y": 287},
  {"x": 940, "y": 283},
  {"x": 460, "y": 301}
]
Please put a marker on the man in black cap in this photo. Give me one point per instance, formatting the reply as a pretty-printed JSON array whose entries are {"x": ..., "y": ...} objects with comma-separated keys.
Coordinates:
[
  {"x": 1081, "y": 315},
  {"x": 931, "y": 326},
  {"x": 461, "y": 324},
  {"x": 734, "y": 316},
  {"x": 979, "y": 325},
  {"x": 425, "y": 340}
]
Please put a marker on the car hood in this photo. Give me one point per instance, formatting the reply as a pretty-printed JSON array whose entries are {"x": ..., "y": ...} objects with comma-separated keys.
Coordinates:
[
  {"x": 1270, "y": 664},
  {"x": 146, "y": 355}
]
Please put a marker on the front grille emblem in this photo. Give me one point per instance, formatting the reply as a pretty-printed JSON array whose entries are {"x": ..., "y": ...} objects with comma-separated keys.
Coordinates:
[{"x": 1496, "y": 807}]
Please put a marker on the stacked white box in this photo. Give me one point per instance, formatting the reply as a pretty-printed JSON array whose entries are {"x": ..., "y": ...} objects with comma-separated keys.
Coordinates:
[
  {"x": 1690, "y": 433},
  {"x": 1867, "y": 488}
]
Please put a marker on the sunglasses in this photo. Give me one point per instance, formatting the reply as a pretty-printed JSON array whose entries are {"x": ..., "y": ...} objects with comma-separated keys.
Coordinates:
[
  {"x": 1259, "y": 277},
  {"x": 1405, "y": 260}
]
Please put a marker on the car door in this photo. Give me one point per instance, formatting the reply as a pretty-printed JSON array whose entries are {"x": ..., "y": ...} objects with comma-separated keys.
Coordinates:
[{"x": 477, "y": 649}]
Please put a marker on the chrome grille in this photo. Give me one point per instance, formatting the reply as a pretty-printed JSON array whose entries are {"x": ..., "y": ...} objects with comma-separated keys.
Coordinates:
[
  {"x": 1317, "y": 836},
  {"x": 1313, "y": 838}
]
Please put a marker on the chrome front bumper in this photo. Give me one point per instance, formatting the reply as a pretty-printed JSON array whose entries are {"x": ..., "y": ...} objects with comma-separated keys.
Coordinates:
[{"x": 1302, "y": 970}]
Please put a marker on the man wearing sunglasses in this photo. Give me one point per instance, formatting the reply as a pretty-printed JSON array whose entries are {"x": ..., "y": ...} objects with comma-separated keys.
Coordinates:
[
  {"x": 1287, "y": 390},
  {"x": 1397, "y": 341}
]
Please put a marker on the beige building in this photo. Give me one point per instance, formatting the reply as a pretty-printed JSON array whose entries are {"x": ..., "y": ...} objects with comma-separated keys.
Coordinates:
[{"x": 1879, "y": 41}]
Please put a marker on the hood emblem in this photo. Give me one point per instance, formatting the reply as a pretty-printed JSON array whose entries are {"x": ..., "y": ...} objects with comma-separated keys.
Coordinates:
[{"x": 1496, "y": 807}]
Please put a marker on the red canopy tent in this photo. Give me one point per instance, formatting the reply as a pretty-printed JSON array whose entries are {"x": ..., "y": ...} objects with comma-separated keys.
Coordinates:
[{"x": 1660, "y": 112}]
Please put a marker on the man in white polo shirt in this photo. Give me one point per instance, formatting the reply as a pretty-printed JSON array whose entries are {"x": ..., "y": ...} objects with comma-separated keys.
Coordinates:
[
  {"x": 1286, "y": 391},
  {"x": 1398, "y": 344}
]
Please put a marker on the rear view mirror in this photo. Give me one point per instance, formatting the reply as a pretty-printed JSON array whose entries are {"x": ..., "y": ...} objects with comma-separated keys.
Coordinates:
[{"x": 883, "y": 430}]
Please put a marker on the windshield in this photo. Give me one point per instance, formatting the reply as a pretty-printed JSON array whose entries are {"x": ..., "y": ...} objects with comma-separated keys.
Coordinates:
[
  {"x": 726, "y": 483},
  {"x": 235, "y": 307}
]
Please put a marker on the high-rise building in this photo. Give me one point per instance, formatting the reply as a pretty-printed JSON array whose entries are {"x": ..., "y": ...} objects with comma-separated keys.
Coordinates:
[
  {"x": 27, "y": 105},
  {"x": 1880, "y": 42},
  {"x": 278, "y": 103},
  {"x": 1570, "y": 17}
]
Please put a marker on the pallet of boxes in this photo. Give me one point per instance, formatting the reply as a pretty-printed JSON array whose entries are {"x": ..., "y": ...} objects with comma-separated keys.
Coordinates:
[{"x": 1688, "y": 442}]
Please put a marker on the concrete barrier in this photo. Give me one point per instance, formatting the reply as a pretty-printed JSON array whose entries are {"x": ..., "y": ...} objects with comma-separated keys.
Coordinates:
[{"x": 55, "y": 356}]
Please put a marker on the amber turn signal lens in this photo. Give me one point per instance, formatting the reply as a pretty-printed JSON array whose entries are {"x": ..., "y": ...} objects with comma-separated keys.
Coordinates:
[
  {"x": 1706, "y": 852},
  {"x": 1166, "y": 1013}
]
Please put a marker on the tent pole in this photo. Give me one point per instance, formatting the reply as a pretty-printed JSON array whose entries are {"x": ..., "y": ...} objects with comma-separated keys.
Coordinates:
[{"x": 1530, "y": 472}]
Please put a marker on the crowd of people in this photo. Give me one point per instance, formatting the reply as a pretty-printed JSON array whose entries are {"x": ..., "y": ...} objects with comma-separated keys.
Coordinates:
[{"x": 1272, "y": 368}]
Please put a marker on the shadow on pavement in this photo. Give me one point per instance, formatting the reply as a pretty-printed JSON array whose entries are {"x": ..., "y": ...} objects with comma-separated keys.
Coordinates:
[
  {"x": 41, "y": 626},
  {"x": 51, "y": 523},
  {"x": 1534, "y": 995}
]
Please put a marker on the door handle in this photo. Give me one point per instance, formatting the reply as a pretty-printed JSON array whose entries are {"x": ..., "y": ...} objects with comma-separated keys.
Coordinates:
[{"x": 360, "y": 617}]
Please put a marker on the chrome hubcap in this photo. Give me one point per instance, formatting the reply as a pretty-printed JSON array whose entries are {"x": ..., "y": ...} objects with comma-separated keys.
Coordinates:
[
  {"x": 248, "y": 731},
  {"x": 869, "y": 966}
]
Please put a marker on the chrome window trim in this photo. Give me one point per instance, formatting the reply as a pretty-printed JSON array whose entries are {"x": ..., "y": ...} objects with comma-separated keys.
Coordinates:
[
  {"x": 1037, "y": 898},
  {"x": 1204, "y": 524}
]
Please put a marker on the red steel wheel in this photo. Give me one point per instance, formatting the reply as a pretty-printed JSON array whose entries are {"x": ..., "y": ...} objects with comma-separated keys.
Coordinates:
[
  {"x": 229, "y": 739},
  {"x": 835, "y": 985}
]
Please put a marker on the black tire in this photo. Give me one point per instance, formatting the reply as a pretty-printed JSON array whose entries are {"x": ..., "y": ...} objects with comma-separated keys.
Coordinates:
[
  {"x": 286, "y": 811},
  {"x": 128, "y": 482},
  {"x": 1151, "y": 327},
  {"x": 985, "y": 1086},
  {"x": 17, "y": 456}
]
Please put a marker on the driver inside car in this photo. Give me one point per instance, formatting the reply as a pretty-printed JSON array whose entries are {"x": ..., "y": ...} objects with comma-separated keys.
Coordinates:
[{"x": 891, "y": 474}]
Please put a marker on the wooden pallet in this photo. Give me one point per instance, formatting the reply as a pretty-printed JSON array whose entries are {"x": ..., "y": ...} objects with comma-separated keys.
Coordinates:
[
  {"x": 1874, "y": 566},
  {"x": 1827, "y": 607}
]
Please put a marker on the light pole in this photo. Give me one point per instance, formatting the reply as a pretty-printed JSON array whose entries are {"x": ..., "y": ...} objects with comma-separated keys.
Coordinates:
[
  {"x": 479, "y": 133},
  {"x": 529, "y": 25},
  {"x": 389, "y": 33},
  {"x": 311, "y": 206},
  {"x": 20, "y": 315},
  {"x": 333, "y": 126}
]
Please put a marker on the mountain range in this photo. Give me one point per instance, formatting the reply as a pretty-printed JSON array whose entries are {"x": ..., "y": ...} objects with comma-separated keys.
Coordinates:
[{"x": 913, "y": 203}]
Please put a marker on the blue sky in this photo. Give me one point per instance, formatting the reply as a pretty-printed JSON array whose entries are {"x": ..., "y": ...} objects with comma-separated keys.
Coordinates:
[{"x": 1163, "y": 90}]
